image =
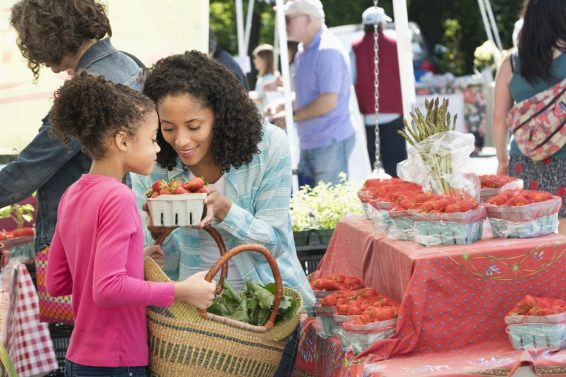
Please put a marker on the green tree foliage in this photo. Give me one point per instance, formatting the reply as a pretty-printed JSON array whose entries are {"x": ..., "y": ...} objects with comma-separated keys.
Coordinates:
[{"x": 456, "y": 24}]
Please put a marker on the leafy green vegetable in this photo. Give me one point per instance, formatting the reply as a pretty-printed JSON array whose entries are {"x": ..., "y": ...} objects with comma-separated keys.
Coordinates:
[
  {"x": 264, "y": 297},
  {"x": 253, "y": 305}
]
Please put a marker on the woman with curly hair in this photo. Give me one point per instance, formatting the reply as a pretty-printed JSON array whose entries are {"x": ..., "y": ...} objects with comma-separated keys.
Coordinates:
[
  {"x": 98, "y": 258},
  {"x": 65, "y": 35},
  {"x": 210, "y": 128},
  {"x": 539, "y": 64}
]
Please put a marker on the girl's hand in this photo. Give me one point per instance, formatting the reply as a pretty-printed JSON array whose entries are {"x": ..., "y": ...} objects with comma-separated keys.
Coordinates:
[
  {"x": 196, "y": 291},
  {"x": 155, "y": 252}
]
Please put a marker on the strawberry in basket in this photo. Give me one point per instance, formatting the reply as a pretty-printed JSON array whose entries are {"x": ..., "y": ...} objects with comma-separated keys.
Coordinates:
[
  {"x": 538, "y": 306},
  {"x": 176, "y": 187},
  {"x": 336, "y": 282},
  {"x": 523, "y": 213},
  {"x": 176, "y": 202}
]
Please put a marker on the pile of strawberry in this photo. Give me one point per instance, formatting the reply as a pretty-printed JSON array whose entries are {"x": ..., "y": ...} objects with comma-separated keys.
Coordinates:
[
  {"x": 495, "y": 181},
  {"x": 386, "y": 190},
  {"x": 538, "y": 306},
  {"x": 517, "y": 198},
  {"x": 20, "y": 232},
  {"x": 176, "y": 187},
  {"x": 366, "y": 303},
  {"x": 337, "y": 282},
  {"x": 433, "y": 203}
]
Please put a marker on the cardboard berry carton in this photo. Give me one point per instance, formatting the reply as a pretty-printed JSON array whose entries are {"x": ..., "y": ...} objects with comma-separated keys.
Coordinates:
[
  {"x": 448, "y": 220},
  {"x": 537, "y": 322},
  {"x": 523, "y": 213},
  {"x": 373, "y": 325},
  {"x": 176, "y": 203}
]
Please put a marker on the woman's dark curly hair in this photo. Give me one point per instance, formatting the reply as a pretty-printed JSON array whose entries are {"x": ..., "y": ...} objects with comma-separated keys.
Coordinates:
[
  {"x": 90, "y": 108},
  {"x": 49, "y": 30},
  {"x": 544, "y": 29},
  {"x": 237, "y": 128}
]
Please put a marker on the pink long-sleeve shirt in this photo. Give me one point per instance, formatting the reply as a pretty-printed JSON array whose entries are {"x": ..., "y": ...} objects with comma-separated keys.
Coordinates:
[{"x": 97, "y": 256}]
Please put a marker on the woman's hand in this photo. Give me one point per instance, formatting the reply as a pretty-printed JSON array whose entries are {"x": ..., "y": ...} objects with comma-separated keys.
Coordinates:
[
  {"x": 503, "y": 168},
  {"x": 216, "y": 206},
  {"x": 155, "y": 252}
]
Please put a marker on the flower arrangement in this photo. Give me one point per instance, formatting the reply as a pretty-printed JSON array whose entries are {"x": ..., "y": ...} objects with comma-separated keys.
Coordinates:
[
  {"x": 322, "y": 206},
  {"x": 487, "y": 56}
]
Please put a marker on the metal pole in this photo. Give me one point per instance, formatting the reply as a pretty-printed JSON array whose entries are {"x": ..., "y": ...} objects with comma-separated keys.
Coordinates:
[
  {"x": 493, "y": 24},
  {"x": 282, "y": 33},
  {"x": 251, "y": 5},
  {"x": 485, "y": 21}
]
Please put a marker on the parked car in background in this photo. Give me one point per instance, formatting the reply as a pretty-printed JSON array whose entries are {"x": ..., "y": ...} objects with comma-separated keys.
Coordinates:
[{"x": 423, "y": 58}]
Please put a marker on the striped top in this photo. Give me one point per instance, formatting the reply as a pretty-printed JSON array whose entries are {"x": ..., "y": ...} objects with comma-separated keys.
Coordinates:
[{"x": 260, "y": 192}]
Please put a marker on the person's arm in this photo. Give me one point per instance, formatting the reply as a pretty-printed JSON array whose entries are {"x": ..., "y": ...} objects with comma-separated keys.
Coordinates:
[
  {"x": 329, "y": 72},
  {"x": 269, "y": 221},
  {"x": 501, "y": 105},
  {"x": 112, "y": 286},
  {"x": 36, "y": 164},
  {"x": 323, "y": 104},
  {"x": 58, "y": 280}
]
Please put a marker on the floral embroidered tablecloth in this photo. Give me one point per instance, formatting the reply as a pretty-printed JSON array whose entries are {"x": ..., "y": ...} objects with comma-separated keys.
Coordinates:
[{"x": 454, "y": 300}]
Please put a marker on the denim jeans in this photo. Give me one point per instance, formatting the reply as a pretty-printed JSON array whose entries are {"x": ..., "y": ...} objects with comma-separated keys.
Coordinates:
[
  {"x": 285, "y": 368},
  {"x": 326, "y": 163},
  {"x": 77, "y": 370}
]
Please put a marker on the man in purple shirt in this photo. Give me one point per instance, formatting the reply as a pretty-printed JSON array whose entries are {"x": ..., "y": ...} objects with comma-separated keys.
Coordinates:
[{"x": 322, "y": 86}]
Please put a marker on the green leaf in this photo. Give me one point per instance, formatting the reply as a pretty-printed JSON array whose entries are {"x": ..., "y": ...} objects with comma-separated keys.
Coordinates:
[
  {"x": 264, "y": 297},
  {"x": 241, "y": 313},
  {"x": 217, "y": 307},
  {"x": 229, "y": 293},
  {"x": 262, "y": 315}
]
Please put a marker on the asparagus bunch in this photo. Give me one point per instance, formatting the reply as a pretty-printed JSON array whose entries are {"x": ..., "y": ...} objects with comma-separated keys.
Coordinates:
[{"x": 437, "y": 119}]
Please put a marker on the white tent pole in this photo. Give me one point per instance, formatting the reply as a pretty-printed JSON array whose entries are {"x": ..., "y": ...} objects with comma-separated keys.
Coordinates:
[
  {"x": 251, "y": 5},
  {"x": 282, "y": 33},
  {"x": 485, "y": 21},
  {"x": 405, "y": 56},
  {"x": 240, "y": 28},
  {"x": 493, "y": 24}
]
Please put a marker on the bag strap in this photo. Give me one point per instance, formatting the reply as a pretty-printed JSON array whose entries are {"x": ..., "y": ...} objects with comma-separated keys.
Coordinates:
[{"x": 513, "y": 60}]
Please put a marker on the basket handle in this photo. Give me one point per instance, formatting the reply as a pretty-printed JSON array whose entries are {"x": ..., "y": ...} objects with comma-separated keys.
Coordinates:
[
  {"x": 274, "y": 268},
  {"x": 160, "y": 233}
]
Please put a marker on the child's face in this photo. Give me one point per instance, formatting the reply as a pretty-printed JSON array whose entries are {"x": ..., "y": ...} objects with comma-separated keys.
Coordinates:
[
  {"x": 187, "y": 126},
  {"x": 144, "y": 146},
  {"x": 259, "y": 63}
]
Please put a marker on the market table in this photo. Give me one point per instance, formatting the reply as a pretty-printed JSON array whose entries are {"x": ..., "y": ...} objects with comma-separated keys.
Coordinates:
[{"x": 453, "y": 302}]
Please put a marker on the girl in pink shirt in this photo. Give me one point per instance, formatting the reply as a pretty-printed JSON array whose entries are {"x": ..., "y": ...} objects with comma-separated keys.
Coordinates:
[{"x": 97, "y": 250}]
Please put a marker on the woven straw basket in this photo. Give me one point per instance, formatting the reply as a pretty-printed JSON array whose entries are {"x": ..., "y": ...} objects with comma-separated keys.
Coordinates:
[{"x": 185, "y": 341}]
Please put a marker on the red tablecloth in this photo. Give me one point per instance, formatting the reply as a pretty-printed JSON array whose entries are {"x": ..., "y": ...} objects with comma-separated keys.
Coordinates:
[{"x": 454, "y": 298}]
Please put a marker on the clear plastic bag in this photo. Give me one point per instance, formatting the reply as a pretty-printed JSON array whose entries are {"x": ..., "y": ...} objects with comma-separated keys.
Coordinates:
[{"x": 442, "y": 164}]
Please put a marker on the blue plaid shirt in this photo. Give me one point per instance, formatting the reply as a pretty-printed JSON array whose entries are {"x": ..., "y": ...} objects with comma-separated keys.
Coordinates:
[{"x": 260, "y": 193}]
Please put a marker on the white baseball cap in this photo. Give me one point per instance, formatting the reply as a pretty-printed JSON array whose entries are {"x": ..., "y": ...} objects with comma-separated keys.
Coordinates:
[
  {"x": 309, "y": 7},
  {"x": 374, "y": 15}
]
